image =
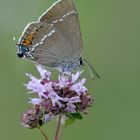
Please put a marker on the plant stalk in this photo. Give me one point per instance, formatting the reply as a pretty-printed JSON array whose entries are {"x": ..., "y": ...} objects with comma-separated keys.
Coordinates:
[
  {"x": 43, "y": 133},
  {"x": 57, "y": 128}
]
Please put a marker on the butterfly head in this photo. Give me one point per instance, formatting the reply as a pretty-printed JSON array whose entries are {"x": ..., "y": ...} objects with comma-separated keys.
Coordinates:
[{"x": 22, "y": 50}]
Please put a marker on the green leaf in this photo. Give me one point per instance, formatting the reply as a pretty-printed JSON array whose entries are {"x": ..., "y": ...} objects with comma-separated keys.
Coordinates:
[
  {"x": 69, "y": 121},
  {"x": 77, "y": 116},
  {"x": 72, "y": 117}
]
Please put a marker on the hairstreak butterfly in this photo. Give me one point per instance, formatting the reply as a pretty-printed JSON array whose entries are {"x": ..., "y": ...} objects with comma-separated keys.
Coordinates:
[{"x": 55, "y": 39}]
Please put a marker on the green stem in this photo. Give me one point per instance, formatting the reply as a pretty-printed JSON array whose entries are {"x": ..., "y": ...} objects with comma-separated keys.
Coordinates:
[
  {"x": 43, "y": 133},
  {"x": 57, "y": 128},
  {"x": 62, "y": 131}
]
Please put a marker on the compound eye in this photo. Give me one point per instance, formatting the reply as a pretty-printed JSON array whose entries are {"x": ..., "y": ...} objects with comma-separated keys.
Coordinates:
[{"x": 20, "y": 55}]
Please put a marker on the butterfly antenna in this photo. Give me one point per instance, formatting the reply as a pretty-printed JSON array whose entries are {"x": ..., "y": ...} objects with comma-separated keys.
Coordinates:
[{"x": 91, "y": 70}]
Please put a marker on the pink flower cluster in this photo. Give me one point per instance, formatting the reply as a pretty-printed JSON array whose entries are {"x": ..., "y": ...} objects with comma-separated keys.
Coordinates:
[{"x": 67, "y": 94}]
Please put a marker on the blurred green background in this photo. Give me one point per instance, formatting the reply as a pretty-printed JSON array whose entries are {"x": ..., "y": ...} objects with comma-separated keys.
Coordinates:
[{"x": 111, "y": 34}]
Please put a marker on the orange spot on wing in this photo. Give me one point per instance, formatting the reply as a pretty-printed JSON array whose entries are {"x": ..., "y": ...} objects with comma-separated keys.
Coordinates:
[
  {"x": 28, "y": 40},
  {"x": 30, "y": 37}
]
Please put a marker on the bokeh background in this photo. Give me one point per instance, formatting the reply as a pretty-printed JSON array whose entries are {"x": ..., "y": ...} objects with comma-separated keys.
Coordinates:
[{"x": 111, "y": 34}]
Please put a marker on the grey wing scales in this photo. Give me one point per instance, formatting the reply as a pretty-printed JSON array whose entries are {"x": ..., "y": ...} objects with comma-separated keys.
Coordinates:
[
  {"x": 64, "y": 16},
  {"x": 47, "y": 44},
  {"x": 55, "y": 45}
]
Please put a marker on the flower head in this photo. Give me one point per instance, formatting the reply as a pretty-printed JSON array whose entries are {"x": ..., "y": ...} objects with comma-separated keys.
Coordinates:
[
  {"x": 65, "y": 95},
  {"x": 32, "y": 117}
]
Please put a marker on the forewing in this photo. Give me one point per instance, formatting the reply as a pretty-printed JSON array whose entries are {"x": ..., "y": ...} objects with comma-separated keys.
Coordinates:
[{"x": 64, "y": 16}]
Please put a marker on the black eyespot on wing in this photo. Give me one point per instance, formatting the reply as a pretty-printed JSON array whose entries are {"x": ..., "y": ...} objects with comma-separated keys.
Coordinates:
[{"x": 81, "y": 62}]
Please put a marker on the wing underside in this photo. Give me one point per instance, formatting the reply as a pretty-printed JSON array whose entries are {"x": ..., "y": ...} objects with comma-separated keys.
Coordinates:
[{"x": 56, "y": 36}]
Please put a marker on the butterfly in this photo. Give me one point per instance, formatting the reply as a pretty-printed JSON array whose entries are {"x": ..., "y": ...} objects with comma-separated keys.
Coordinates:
[{"x": 55, "y": 39}]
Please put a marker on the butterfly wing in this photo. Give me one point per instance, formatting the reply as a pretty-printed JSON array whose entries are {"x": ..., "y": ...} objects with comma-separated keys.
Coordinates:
[
  {"x": 56, "y": 38},
  {"x": 46, "y": 44},
  {"x": 64, "y": 16}
]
